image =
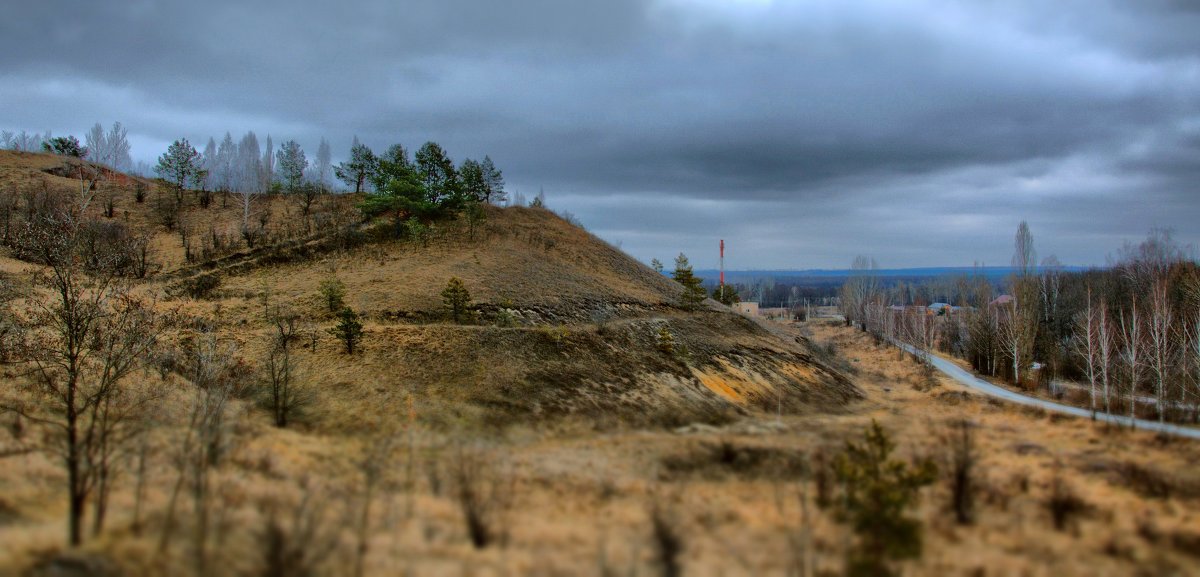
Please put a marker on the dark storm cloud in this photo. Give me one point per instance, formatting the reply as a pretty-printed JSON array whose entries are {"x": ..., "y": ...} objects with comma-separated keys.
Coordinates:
[{"x": 802, "y": 131}]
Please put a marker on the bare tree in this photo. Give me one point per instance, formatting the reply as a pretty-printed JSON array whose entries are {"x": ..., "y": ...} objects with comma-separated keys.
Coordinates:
[
  {"x": 286, "y": 396},
  {"x": 83, "y": 344},
  {"x": 217, "y": 379},
  {"x": 1012, "y": 332},
  {"x": 1132, "y": 345},
  {"x": 1106, "y": 349},
  {"x": 1192, "y": 343},
  {"x": 860, "y": 290},
  {"x": 1024, "y": 255},
  {"x": 323, "y": 165},
  {"x": 1163, "y": 344},
  {"x": 1020, "y": 330},
  {"x": 1087, "y": 343}
]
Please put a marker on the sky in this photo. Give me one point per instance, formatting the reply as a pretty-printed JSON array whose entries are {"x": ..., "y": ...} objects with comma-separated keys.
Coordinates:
[{"x": 802, "y": 132}]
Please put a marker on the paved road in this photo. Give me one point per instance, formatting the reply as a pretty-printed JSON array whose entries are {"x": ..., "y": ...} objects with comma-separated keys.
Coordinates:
[{"x": 959, "y": 374}]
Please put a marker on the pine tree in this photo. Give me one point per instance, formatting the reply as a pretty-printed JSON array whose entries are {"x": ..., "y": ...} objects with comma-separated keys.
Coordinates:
[
  {"x": 65, "y": 146},
  {"x": 456, "y": 300},
  {"x": 179, "y": 165},
  {"x": 291, "y": 162},
  {"x": 693, "y": 292},
  {"x": 474, "y": 183},
  {"x": 349, "y": 329},
  {"x": 359, "y": 169},
  {"x": 656, "y": 265},
  {"x": 494, "y": 180},
  {"x": 876, "y": 493},
  {"x": 726, "y": 295},
  {"x": 437, "y": 173}
]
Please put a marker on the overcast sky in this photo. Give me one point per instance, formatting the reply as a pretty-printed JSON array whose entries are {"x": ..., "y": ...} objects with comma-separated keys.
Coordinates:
[{"x": 802, "y": 132}]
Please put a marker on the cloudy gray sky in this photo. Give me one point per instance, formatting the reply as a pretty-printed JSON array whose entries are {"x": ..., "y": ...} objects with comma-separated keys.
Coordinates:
[{"x": 800, "y": 131}]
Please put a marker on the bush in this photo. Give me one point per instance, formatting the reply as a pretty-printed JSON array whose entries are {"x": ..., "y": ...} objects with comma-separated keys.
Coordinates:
[
  {"x": 333, "y": 293},
  {"x": 505, "y": 318},
  {"x": 876, "y": 493},
  {"x": 666, "y": 340},
  {"x": 1063, "y": 504},
  {"x": 201, "y": 286}
]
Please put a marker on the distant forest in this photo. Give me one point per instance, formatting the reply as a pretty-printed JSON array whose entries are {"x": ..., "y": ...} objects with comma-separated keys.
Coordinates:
[{"x": 786, "y": 288}]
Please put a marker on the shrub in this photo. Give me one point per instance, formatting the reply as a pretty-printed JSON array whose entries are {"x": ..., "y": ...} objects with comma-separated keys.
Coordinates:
[
  {"x": 333, "y": 293},
  {"x": 201, "y": 286},
  {"x": 962, "y": 476},
  {"x": 666, "y": 340},
  {"x": 505, "y": 318},
  {"x": 876, "y": 492},
  {"x": 1063, "y": 504}
]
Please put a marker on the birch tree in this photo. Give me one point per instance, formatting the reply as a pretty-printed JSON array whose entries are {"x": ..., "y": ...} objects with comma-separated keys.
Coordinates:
[
  {"x": 248, "y": 174},
  {"x": 1106, "y": 349},
  {"x": 1162, "y": 343},
  {"x": 1087, "y": 344},
  {"x": 1132, "y": 346}
]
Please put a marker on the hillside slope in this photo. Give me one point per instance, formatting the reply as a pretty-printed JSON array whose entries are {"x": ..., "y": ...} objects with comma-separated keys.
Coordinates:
[{"x": 583, "y": 336}]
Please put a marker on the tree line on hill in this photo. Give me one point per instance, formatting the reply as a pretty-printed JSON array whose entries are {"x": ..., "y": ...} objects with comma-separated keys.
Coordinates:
[
  {"x": 110, "y": 148},
  {"x": 1130, "y": 332}
]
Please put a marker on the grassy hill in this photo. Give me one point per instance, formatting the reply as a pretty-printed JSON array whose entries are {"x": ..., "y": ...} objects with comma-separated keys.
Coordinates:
[{"x": 585, "y": 317}]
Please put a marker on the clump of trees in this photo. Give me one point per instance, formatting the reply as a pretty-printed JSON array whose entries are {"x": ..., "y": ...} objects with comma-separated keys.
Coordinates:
[{"x": 423, "y": 188}]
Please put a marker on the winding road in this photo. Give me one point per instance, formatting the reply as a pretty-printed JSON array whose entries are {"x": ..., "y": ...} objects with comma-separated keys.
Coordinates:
[{"x": 966, "y": 378}]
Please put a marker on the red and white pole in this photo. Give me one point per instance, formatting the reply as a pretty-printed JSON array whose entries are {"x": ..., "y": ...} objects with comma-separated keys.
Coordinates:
[{"x": 722, "y": 262}]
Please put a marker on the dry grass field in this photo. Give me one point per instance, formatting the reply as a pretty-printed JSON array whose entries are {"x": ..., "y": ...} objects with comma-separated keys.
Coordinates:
[{"x": 564, "y": 441}]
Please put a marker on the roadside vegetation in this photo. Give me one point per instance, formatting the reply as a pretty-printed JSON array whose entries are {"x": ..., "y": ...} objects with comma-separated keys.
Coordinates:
[{"x": 1123, "y": 340}]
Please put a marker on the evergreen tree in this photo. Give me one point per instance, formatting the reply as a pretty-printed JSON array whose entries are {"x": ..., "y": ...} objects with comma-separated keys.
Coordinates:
[
  {"x": 349, "y": 329},
  {"x": 876, "y": 493},
  {"x": 456, "y": 300},
  {"x": 474, "y": 182},
  {"x": 65, "y": 146},
  {"x": 179, "y": 165},
  {"x": 359, "y": 169},
  {"x": 656, "y": 265},
  {"x": 693, "y": 292},
  {"x": 494, "y": 181},
  {"x": 291, "y": 164},
  {"x": 438, "y": 175},
  {"x": 726, "y": 295}
]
